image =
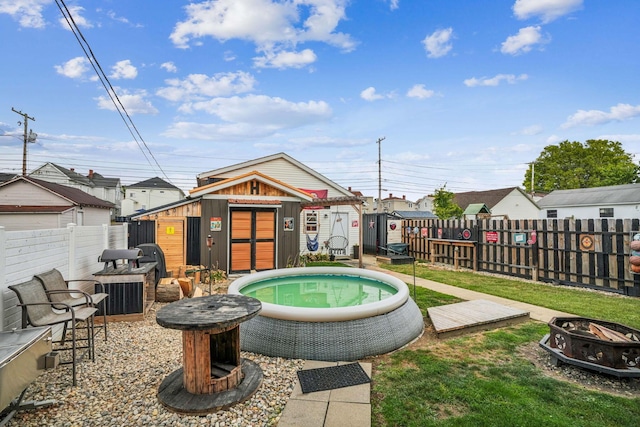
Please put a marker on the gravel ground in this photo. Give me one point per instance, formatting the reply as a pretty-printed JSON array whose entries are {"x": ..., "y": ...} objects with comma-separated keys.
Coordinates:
[{"x": 119, "y": 388}]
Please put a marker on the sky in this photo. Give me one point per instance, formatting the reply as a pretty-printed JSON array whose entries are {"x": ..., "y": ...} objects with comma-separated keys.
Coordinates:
[{"x": 384, "y": 96}]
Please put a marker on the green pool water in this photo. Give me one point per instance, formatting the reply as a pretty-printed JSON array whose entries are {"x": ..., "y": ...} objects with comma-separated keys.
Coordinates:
[{"x": 319, "y": 290}]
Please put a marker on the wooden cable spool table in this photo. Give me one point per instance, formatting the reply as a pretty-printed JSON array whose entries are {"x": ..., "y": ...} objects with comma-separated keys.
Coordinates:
[{"x": 213, "y": 375}]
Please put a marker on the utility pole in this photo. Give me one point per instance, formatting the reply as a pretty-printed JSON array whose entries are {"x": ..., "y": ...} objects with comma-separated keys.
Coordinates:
[
  {"x": 533, "y": 171},
  {"x": 26, "y": 138},
  {"x": 379, "y": 204}
]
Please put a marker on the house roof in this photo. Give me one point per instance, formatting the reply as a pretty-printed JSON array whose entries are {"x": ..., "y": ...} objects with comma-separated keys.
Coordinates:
[
  {"x": 487, "y": 197},
  {"x": 4, "y": 177},
  {"x": 269, "y": 158},
  {"x": 93, "y": 180},
  {"x": 628, "y": 194},
  {"x": 73, "y": 195},
  {"x": 154, "y": 182},
  {"x": 414, "y": 214}
]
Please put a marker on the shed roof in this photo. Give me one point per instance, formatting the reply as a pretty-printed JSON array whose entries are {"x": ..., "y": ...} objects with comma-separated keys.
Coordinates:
[
  {"x": 476, "y": 208},
  {"x": 628, "y": 194},
  {"x": 414, "y": 214}
]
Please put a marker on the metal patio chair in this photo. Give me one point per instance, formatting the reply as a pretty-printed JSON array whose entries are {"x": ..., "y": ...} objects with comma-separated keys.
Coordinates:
[
  {"x": 58, "y": 291},
  {"x": 37, "y": 310}
]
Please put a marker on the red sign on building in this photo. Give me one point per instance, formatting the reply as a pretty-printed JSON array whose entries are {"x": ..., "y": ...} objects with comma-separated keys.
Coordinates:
[{"x": 492, "y": 236}]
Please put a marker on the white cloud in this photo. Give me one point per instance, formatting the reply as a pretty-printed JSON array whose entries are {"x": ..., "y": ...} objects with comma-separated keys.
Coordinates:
[
  {"x": 369, "y": 94},
  {"x": 200, "y": 86},
  {"x": 252, "y": 116},
  {"x": 394, "y": 4},
  {"x": 123, "y": 70},
  {"x": 438, "y": 43},
  {"x": 419, "y": 91},
  {"x": 530, "y": 130},
  {"x": 74, "y": 68},
  {"x": 28, "y": 13},
  {"x": 134, "y": 103},
  {"x": 269, "y": 24},
  {"x": 617, "y": 113},
  {"x": 523, "y": 41},
  {"x": 547, "y": 10},
  {"x": 284, "y": 59},
  {"x": 80, "y": 21},
  {"x": 496, "y": 80},
  {"x": 265, "y": 110},
  {"x": 169, "y": 67}
]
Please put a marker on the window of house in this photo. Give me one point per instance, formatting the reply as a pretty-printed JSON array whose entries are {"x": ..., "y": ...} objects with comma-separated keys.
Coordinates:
[
  {"x": 606, "y": 212},
  {"x": 311, "y": 222},
  {"x": 552, "y": 213}
]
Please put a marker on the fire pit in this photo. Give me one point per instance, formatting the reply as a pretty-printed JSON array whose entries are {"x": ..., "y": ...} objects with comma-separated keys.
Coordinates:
[{"x": 599, "y": 345}]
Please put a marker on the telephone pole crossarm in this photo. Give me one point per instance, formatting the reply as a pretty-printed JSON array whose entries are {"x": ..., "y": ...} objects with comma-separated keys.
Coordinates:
[{"x": 26, "y": 139}]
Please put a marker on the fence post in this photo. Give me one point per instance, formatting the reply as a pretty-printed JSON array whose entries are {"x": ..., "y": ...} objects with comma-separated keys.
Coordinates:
[
  {"x": 3, "y": 257},
  {"x": 71, "y": 228},
  {"x": 125, "y": 231}
]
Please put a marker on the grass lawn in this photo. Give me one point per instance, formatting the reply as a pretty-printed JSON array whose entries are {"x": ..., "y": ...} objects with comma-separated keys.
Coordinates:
[{"x": 482, "y": 379}]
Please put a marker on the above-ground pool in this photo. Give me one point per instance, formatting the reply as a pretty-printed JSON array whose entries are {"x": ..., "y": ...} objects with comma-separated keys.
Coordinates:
[{"x": 327, "y": 313}]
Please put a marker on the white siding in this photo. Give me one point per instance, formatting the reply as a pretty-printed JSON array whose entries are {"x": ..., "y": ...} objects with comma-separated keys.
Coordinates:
[
  {"x": 74, "y": 251},
  {"x": 590, "y": 212},
  {"x": 517, "y": 206}
]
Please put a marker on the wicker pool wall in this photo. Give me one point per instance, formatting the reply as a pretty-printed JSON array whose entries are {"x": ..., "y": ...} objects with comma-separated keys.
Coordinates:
[{"x": 333, "y": 341}]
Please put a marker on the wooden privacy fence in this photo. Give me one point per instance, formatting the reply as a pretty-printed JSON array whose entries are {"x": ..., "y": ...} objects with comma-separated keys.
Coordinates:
[{"x": 591, "y": 253}]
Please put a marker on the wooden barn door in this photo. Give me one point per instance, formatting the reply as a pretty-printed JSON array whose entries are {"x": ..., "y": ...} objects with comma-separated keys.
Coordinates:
[
  {"x": 170, "y": 237},
  {"x": 253, "y": 240}
]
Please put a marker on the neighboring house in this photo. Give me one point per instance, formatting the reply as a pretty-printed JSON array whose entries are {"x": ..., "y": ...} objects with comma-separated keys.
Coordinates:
[
  {"x": 504, "y": 203},
  {"x": 424, "y": 204},
  {"x": 261, "y": 214},
  {"x": 616, "y": 201},
  {"x": 27, "y": 203},
  {"x": 393, "y": 203},
  {"x": 149, "y": 194},
  {"x": 368, "y": 205},
  {"x": 108, "y": 189}
]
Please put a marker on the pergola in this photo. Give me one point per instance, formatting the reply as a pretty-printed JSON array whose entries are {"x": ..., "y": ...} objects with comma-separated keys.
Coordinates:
[{"x": 354, "y": 201}]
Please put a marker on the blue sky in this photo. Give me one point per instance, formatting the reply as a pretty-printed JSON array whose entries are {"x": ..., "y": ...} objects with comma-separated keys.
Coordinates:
[{"x": 466, "y": 93}]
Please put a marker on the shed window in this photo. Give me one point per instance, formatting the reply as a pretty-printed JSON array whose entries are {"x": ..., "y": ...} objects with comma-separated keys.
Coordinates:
[
  {"x": 311, "y": 222},
  {"x": 606, "y": 212},
  {"x": 552, "y": 213}
]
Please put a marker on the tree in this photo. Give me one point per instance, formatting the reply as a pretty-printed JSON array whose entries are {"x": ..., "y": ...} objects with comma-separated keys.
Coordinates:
[
  {"x": 568, "y": 165},
  {"x": 443, "y": 205}
]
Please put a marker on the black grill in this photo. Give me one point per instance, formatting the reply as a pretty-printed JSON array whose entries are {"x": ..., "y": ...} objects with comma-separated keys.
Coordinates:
[{"x": 130, "y": 256}]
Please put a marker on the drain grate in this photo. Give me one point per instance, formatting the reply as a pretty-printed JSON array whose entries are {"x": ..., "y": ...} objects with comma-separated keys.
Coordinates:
[{"x": 332, "y": 377}]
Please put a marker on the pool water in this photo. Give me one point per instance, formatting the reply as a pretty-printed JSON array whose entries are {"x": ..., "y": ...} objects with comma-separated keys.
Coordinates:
[{"x": 319, "y": 291}]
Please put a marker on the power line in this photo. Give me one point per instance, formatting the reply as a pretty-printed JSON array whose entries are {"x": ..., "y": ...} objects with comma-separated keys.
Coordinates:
[{"x": 122, "y": 111}]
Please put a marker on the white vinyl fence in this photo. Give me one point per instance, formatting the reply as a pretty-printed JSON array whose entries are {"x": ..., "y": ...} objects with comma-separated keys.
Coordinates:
[{"x": 74, "y": 251}]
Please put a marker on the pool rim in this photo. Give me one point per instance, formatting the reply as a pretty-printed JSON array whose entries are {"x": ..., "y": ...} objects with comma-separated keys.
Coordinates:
[{"x": 328, "y": 314}]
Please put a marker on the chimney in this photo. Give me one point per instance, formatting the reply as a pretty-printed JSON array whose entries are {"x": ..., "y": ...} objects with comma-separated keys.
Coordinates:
[
  {"x": 404, "y": 197},
  {"x": 90, "y": 173},
  {"x": 349, "y": 189},
  {"x": 72, "y": 169},
  {"x": 391, "y": 195}
]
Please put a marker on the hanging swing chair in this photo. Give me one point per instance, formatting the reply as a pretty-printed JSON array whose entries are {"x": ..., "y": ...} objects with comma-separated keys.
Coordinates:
[
  {"x": 312, "y": 243},
  {"x": 337, "y": 243}
]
